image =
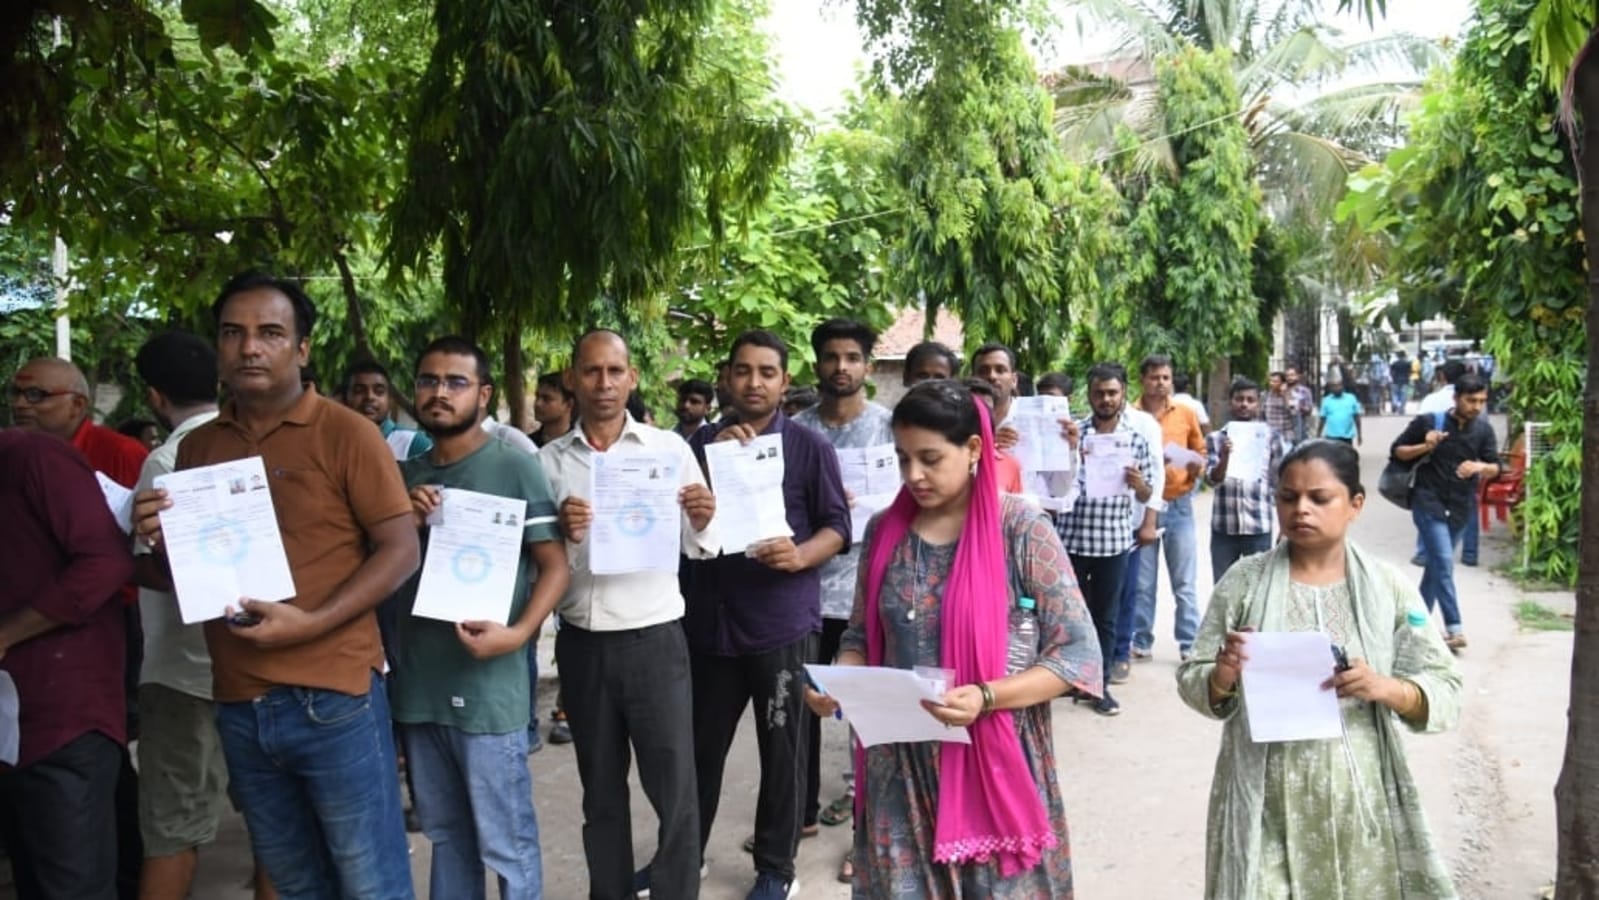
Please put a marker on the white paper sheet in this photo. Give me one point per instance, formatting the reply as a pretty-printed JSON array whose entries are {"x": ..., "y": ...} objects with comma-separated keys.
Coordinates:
[
  {"x": 638, "y": 524},
  {"x": 1105, "y": 461},
  {"x": 1282, "y": 685},
  {"x": 222, "y": 538},
  {"x": 469, "y": 573},
  {"x": 1251, "y": 451},
  {"x": 10, "y": 720},
  {"x": 1182, "y": 457},
  {"x": 119, "y": 499},
  {"x": 1039, "y": 445},
  {"x": 884, "y": 705},
  {"x": 748, "y": 482},
  {"x": 871, "y": 476}
]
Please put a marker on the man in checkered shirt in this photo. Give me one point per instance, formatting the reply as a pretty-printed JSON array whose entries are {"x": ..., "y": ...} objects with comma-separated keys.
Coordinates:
[
  {"x": 1098, "y": 532},
  {"x": 1243, "y": 513}
]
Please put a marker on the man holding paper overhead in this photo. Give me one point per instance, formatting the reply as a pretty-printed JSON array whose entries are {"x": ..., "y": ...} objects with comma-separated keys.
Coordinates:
[
  {"x": 624, "y": 660},
  {"x": 301, "y": 708},
  {"x": 753, "y": 613},
  {"x": 461, "y": 679}
]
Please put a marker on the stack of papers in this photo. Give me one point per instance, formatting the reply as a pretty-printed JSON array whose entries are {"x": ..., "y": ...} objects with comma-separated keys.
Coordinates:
[{"x": 884, "y": 705}]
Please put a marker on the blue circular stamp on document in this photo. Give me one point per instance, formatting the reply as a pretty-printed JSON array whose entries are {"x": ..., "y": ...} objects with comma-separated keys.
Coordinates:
[
  {"x": 471, "y": 565},
  {"x": 223, "y": 541},
  {"x": 635, "y": 519}
]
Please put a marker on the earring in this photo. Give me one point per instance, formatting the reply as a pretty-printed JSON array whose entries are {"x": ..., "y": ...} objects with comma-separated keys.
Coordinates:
[{"x": 974, "y": 468}]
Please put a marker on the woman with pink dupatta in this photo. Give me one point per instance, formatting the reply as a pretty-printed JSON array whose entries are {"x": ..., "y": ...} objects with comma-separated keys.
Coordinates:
[{"x": 946, "y": 563}]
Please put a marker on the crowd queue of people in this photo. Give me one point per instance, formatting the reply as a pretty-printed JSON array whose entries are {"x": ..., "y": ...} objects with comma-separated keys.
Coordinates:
[{"x": 299, "y": 713}]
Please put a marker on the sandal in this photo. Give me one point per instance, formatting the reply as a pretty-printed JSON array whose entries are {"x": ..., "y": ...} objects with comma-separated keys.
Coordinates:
[
  {"x": 846, "y": 870},
  {"x": 839, "y": 811}
]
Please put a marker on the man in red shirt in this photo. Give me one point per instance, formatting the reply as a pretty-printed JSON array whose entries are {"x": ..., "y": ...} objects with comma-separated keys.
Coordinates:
[
  {"x": 62, "y": 644},
  {"x": 52, "y": 396}
]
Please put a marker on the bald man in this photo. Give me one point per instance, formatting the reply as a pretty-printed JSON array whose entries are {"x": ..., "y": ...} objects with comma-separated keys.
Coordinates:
[{"x": 52, "y": 396}]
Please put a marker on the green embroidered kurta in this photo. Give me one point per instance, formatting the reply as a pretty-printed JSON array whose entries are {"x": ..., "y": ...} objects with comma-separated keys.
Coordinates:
[{"x": 1323, "y": 819}]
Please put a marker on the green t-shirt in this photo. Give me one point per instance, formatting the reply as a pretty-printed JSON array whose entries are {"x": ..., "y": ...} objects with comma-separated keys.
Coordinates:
[{"x": 435, "y": 680}]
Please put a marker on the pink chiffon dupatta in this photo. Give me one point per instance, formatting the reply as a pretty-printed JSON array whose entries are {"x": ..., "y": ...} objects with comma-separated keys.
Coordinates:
[{"x": 988, "y": 804}]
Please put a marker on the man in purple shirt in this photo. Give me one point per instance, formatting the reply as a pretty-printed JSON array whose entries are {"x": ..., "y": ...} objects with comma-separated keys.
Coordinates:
[
  {"x": 752, "y": 616},
  {"x": 62, "y": 642}
]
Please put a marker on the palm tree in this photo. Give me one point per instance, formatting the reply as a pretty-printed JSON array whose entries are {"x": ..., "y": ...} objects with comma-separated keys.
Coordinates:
[{"x": 1310, "y": 121}]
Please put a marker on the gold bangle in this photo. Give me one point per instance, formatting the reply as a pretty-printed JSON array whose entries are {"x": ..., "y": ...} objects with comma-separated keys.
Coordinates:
[{"x": 988, "y": 696}]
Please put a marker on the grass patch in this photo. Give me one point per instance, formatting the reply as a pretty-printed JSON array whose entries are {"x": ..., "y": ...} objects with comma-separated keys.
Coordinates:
[{"x": 1535, "y": 616}]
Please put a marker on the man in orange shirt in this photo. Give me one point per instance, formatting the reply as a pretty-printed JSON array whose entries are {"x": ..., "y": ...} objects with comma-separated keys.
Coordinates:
[
  {"x": 1184, "y": 463},
  {"x": 302, "y": 711}
]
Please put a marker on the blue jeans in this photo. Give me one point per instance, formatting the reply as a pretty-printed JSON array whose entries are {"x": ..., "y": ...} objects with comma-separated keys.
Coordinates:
[
  {"x": 1471, "y": 534},
  {"x": 313, "y": 771},
  {"x": 1397, "y": 395},
  {"x": 1182, "y": 567},
  {"x": 1438, "y": 539},
  {"x": 474, "y": 797},
  {"x": 1129, "y": 604},
  {"x": 1226, "y": 549}
]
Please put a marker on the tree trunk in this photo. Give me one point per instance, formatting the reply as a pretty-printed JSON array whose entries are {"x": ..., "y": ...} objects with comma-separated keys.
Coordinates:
[
  {"x": 1577, "y": 791},
  {"x": 515, "y": 375},
  {"x": 354, "y": 318}
]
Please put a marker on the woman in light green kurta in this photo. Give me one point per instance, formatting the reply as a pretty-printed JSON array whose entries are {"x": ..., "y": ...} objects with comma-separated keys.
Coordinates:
[{"x": 1330, "y": 818}]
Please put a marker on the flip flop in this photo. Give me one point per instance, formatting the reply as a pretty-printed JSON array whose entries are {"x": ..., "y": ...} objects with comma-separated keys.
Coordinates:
[{"x": 839, "y": 811}]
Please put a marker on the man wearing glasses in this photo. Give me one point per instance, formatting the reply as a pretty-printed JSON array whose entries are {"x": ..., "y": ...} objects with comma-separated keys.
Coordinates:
[{"x": 52, "y": 396}]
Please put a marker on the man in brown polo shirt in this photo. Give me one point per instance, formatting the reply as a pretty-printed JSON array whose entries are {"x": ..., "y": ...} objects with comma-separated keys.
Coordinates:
[{"x": 301, "y": 710}]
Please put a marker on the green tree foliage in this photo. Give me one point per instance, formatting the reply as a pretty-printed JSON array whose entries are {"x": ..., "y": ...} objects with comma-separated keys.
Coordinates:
[
  {"x": 168, "y": 174},
  {"x": 1482, "y": 210},
  {"x": 1184, "y": 283},
  {"x": 560, "y": 154},
  {"x": 1002, "y": 228}
]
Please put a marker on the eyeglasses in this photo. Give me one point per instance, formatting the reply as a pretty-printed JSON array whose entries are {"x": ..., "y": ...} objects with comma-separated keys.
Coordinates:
[
  {"x": 452, "y": 383},
  {"x": 34, "y": 396}
]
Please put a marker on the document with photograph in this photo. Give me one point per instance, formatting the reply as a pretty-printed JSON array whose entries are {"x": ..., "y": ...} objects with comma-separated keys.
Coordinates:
[
  {"x": 1251, "y": 452},
  {"x": 1039, "y": 445},
  {"x": 1105, "y": 461},
  {"x": 748, "y": 482},
  {"x": 222, "y": 538},
  {"x": 469, "y": 571},
  {"x": 871, "y": 476},
  {"x": 638, "y": 524}
]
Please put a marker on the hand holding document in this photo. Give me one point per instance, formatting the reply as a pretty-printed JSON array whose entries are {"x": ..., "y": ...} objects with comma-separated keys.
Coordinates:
[
  {"x": 222, "y": 538},
  {"x": 474, "y": 548},
  {"x": 871, "y": 476},
  {"x": 1282, "y": 685},
  {"x": 1105, "y": 461},
  {"x": 1251, "y": 451},
  {"x": 637, "y": 525},
  {"x": 884, "y": 705},
  {"x": 1039, "y": 445},
  {"x": 748, "y": 482},
  {"x": 1182, "y": 457},
  {"x": 120, "y": 499}
]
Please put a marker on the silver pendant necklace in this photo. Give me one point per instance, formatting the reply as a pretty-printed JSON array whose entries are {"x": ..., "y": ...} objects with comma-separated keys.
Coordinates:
[{"x": 916, "y": 577}]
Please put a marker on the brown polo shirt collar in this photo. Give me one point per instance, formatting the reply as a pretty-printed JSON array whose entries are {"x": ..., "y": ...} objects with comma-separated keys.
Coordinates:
[{"x": 304, "y": 412}]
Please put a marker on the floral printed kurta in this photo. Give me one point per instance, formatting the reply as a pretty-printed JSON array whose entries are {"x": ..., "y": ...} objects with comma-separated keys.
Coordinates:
[
  {"x": 1331, "y": 818},
  {"x": 894, "y": 846}
]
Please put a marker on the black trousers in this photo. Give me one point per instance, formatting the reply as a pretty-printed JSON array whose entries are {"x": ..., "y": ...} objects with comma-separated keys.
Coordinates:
[
  {"x": 58, "y": 822},
  {"x": 628, "y": 691},
  {"x": 723, "y": 687},
  {"x": 1100, "y": 579},
  {"x": 826, "y": 650}
]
